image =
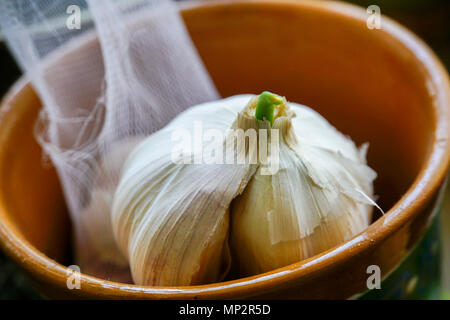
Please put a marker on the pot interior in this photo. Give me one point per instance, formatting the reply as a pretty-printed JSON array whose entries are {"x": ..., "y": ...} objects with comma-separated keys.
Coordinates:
[{"x": 365, "y": 82}]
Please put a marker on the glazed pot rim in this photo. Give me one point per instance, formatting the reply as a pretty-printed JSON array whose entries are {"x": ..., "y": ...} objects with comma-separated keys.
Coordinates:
[{"x": 429, "y": 179}]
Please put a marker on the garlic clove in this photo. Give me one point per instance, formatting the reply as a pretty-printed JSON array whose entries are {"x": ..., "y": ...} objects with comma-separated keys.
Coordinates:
[{"x": 309, "y": 205}]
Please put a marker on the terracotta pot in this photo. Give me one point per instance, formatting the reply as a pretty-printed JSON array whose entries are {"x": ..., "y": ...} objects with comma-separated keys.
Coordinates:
[{"x": 382, "y": 86}]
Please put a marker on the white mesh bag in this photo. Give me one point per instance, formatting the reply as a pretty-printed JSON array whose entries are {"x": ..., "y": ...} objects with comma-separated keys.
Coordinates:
[{"x": 109, "y": 72}]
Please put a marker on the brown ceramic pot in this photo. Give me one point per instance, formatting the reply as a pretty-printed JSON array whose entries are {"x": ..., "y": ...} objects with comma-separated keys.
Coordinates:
[{"x": 383, "y": 86}]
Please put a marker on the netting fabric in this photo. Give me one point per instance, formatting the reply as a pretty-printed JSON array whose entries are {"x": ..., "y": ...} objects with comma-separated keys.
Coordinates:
[{"x": 108, "y": 72}]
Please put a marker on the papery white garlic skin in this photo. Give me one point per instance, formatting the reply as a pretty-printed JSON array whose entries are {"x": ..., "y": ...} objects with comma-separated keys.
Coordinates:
[
  {"x": 171, "y": 220},
  {"x": 311, "y": 204}
]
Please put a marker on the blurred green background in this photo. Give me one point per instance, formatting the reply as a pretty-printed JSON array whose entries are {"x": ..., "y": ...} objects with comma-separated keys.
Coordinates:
[{"x": 430, "y": 19}]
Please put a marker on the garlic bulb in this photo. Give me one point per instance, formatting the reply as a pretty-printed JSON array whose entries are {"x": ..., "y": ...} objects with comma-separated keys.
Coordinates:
[{"x": 171, "y": 214}]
